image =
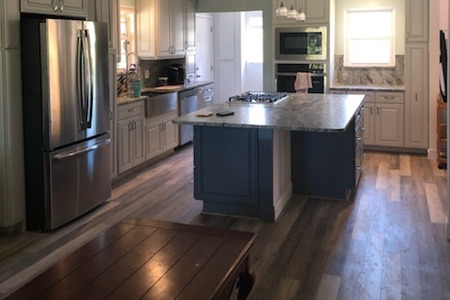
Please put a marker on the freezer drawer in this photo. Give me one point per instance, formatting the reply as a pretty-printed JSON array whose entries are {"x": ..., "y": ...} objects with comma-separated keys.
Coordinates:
[{"x": 78, "y": 180}]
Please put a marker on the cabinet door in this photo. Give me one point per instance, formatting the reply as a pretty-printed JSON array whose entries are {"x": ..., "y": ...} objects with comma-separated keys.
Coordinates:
[
  {"x": 55, "y": 7},
  {"x": 108, "y": 11},
  {"x": 12, "y": 185},
  {"x": 317, "y": 11},
  {"x": 163, "y": 36},
  {"x": 417, "y": 15},
  {"x": 177, "y": 26},
  {"x": 170, "y": 135},
  {"x": 125, "y": 145},
  {"x": 189, "y": 25},
  {"x": 139, "y": 140},
  {"x": 112, "y": 106},
  {"x": 146, "y": 28},
  {"x": 416, "y": 94},
  {"x": 9, "y": 24},
  {"x": 369, "y": 124},
  {"x": 153, "y": 145},
  {"x": 389, "y": 125}
]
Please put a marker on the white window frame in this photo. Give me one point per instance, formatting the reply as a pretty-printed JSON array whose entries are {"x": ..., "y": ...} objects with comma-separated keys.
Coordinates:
[{"x": 390, "y": 38}]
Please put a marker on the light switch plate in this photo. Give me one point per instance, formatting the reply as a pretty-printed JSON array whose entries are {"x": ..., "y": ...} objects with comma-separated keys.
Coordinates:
[{"x": 146, "y": 73}]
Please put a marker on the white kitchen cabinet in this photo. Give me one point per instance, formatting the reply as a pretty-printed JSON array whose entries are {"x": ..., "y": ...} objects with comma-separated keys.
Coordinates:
[
  {"x": 12, "y": 182},
  {"x": 384, "y": 117},
  {"x": 369, "y": 115},
  {"x": 417, "y": 20},
  {"x": 108, "y": 11},
  {"x": 131, "y": 139},
  {"x": 113, "y": 109},
  {"x": 389, "y": 124},
  {"x": 9, "y": 24},
  {"x": 316, "y": 11},
  {"x": 416, "y": 95},
  {"x": 189, "y": 24},
  {"x": 160, "y": 29},
  {"x": 74, "y": 8},
  {"x": 161, "y": 135}
]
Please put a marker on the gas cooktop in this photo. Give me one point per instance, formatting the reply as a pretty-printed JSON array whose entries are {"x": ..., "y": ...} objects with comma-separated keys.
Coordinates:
[{"x": 259, "y": 97}]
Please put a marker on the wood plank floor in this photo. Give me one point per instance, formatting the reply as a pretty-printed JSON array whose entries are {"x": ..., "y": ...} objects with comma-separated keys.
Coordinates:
[{"x": 388, "y": 243}]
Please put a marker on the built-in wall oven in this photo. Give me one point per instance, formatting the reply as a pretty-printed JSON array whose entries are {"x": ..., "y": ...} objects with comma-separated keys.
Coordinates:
[{"x": 286, "y": 73}]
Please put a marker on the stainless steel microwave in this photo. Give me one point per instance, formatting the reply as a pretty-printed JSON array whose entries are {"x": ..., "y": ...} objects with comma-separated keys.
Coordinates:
[{"x": 301, "y": 43}]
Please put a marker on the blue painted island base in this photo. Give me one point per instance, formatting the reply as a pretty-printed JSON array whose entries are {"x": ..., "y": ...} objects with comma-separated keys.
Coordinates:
[{"x": 235, "y": 168}]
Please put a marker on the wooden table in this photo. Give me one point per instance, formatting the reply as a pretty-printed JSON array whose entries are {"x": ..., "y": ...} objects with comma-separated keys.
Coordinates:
[{"x": 146, "y": 259}]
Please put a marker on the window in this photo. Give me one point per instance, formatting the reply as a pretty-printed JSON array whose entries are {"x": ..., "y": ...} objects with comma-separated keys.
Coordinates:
[
  {"x": 126, "y": 36},
  {"x": 369, "y": 40}
]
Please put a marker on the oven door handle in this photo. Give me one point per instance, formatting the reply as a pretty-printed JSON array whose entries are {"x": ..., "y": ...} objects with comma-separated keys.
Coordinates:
[{"x": 295, "y": 74}]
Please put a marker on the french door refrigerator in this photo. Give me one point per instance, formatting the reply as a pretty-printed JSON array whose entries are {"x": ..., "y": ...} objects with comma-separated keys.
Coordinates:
[{"x": 66, "y": 119}]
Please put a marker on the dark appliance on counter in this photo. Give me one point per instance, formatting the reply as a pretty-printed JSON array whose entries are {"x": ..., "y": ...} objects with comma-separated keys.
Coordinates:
[
  {"x": 285, "y": 75},
  {"x": 66, "y": 119},
  {"x": 259, "y": 97},
  {"x": 301, "y": 43},
  {"x": 175, "y": 74}
]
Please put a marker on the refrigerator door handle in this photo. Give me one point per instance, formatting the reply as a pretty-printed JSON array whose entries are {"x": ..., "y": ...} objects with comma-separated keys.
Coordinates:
[
  {"x": 81, "y": 151},
  {"x": 84, "y": 79}
]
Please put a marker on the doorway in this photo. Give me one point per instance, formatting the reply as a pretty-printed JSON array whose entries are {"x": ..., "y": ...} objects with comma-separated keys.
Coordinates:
[{"x": 230, "y": 52}]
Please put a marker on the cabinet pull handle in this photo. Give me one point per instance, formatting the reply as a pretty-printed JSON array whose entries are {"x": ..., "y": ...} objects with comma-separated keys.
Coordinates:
[
  {"x": 371, "y": 110},
  {"x": 378, "y": 110},
  {"x": 131, "y": 110},
  {"x": 61, "y": 5},
  {"x": 416, "y": 97}
]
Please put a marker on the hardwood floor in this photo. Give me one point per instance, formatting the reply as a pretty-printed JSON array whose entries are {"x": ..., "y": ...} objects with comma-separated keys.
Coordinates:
[{"x": 388, "y": 243}]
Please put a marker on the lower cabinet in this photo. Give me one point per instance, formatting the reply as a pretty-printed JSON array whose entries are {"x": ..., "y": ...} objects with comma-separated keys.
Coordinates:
[
  {"x": 161, "y": 135},
  {"x": 384, "y": 117},
  {"x": 131, "y": 126}
]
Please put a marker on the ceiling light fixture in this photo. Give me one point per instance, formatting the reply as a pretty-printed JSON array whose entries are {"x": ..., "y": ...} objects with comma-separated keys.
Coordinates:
[{"x": 291, "y": 13}]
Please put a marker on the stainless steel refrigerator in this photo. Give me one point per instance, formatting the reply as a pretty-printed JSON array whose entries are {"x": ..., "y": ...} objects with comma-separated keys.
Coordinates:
[{"x": 66, "y": 119}]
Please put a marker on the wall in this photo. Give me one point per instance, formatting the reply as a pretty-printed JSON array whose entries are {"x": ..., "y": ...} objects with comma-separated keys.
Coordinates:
[{"x": 238, "y": 5}]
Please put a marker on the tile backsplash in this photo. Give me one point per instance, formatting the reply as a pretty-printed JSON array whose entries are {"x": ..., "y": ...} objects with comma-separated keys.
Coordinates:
[
  {"x": 157, "y": 68},
  {"x": 377, "y": 76}
]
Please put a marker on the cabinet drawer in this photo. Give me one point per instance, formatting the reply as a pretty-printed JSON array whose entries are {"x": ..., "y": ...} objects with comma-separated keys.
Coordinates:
[
  {"x": 390, "y": 97},
  {"x": 369, "y": 96},
  {"x": 130, "y": 110}
]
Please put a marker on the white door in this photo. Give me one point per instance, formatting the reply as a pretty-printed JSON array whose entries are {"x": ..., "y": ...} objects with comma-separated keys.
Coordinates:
[{"x": 204, "y": 46}]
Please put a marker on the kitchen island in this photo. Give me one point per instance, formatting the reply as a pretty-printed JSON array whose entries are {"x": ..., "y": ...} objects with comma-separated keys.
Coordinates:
[{"x": 250, "y": 162}]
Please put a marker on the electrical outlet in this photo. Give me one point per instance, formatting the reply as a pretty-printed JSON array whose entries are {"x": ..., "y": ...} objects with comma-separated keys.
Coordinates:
[{"x": 147, "y": 73}]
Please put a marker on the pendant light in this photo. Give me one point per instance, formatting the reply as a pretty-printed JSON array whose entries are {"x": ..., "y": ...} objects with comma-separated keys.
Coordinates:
[
  {"x": 300, "y": 16},
  {"x": 292, "y": 13},
  {"x": 282, "y": 10}
]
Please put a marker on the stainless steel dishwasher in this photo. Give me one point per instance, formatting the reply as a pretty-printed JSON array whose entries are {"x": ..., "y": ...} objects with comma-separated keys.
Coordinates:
[{"x": 187, "y": 103}]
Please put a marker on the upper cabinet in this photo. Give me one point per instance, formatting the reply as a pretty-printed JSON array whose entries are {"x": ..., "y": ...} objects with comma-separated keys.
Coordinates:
[
  {"x": 9, "y": 24},
  {"x": 160, "y": 26},
  {"x": 417, "y": 12},
  {"x": 108, "y": 11},
  {"x": 316, "y": 11},
  {"x": 74, "y": 8},
  {"x": 189, "y": 24}
]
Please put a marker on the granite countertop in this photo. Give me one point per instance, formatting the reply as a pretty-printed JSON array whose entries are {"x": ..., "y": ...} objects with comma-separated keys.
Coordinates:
[
  {"x": 302, "y": 112},
  {"x": 175, "y": 88},
  {"x": 385, "y": 88},
  {"x": 125, "y": 99}
]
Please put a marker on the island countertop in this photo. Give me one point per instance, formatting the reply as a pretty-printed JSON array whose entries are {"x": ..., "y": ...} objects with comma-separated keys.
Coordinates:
[{"x": 299, "y": 112}]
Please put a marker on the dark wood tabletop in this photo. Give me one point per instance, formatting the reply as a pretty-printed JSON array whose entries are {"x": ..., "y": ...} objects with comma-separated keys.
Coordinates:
[{"x": 147, "y": 259}]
